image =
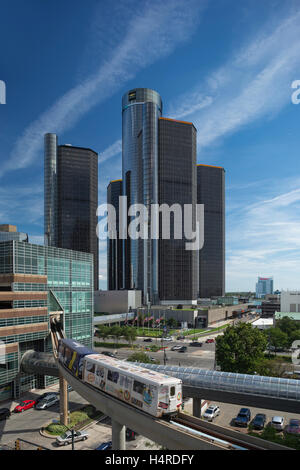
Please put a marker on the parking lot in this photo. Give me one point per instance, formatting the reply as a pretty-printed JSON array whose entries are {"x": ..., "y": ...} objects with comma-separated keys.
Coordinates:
[{"x": 228, "y": 412}]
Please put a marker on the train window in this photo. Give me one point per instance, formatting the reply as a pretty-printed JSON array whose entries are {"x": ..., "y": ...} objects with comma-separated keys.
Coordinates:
[
  {"x": 90, "y": 367},
  {"x": 112, "y": 376},
  {"x": 138, "y": 387},
  {"x": 172, "y": 391}
]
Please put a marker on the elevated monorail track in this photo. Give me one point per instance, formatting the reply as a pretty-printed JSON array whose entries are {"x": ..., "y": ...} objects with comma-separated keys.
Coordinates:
[
  {"x": 234, "y": 439},
  {"x": 195, "y": 434}
]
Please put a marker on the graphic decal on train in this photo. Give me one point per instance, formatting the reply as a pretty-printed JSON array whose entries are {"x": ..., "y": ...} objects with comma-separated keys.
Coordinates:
[{"x": 150, "y": 391}]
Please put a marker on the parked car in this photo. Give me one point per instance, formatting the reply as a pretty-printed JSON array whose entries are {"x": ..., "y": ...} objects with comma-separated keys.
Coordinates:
[
  {"x": 211, "y": 412},
  {"x": 182, "y": 349},
  {"x": 47, "y": 402},
  {"x": 210, "y": 340},
  {"x": 176, "y": 348},
  {"x": 293, "y": 427},
  {"x": 130, "y": 435},
  {"x": 4, "y": 413},
  {"x": 45, "y": 395},
  {"x": 24, "y": 405},
  {"x": 180, "y": 337},
  {"x": 105, "y": 446},
  {"x": 195, "y": 343},
  {"x": 243, "y": 417},
  {"x": 108, "y": 353},
  {"x": 167, "y": 338},
  {"x": 277, "y": 423},
  {"x": 148, "y": 340},
  {"x": 259, "y": 421},
  {"x": 66, "y": 438}
]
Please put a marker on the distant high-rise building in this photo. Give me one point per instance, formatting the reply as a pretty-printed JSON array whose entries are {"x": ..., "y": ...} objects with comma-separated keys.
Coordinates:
[
  {"x": 9, "y": 232},
  {"x": 71, "y": 198},
  {"x": 211, "y": 193},
  {"x": 264, "y": 286},
  {"x": 115, "y": 246},
  {"x": 159, "y": 166}
]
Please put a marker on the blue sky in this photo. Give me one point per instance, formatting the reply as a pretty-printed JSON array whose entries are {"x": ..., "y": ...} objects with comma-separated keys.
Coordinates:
[{"x": 225, "y": 65}]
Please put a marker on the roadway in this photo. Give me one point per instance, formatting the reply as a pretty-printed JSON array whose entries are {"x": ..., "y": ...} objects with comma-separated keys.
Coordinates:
[
  {"x": 29, "y": 423},
  {"x": 202, "y": 357}
]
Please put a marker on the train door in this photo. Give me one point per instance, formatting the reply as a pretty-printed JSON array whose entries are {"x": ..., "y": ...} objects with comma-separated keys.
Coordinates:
[{"x": 172, "y": 398}]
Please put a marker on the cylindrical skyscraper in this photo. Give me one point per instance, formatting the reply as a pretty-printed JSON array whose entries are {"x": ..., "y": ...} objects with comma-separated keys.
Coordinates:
[
  {"x": 141, "y": 109},
  {"x": 50, "y": 185}
]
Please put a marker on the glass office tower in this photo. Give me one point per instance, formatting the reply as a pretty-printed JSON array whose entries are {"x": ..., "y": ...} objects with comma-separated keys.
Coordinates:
[
  {"x": 115, "y": 246},
  {"x": 141, "y": 109},
  {"x": 178, "y": 267},
  {"x": 36, "y": 281},
  {"x": 211, "y": 193},
  {"x": 71, "y": 198}
]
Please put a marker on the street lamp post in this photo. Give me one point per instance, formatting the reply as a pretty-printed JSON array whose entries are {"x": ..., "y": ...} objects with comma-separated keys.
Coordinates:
[{"x": 72, "y": 432}]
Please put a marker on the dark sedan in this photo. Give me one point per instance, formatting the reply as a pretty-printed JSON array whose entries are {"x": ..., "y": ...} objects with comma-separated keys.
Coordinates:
[
  {"x": 259, "y": 421},
  {"x": 105, "y": 446},
  {"x": 4, "y": 413},
  {"x": 108, "y": 353}
]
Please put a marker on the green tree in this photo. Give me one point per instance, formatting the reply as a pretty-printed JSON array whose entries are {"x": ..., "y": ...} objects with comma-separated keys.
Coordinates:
[
  {"x": 116, "y": 332},
  {"x": 277, "y": 338},
  {"x": 240, "y": 349},
  {"x": 172, "y": 323},
  {"x": 103, "y": 332}
]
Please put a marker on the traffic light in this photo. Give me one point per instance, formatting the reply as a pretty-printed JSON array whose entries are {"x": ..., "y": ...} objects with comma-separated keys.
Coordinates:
[{"x": 17, "y": 444}]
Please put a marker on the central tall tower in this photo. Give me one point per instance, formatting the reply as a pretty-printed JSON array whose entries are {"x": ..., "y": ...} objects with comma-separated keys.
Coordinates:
[{"x": 141, "y": 110}]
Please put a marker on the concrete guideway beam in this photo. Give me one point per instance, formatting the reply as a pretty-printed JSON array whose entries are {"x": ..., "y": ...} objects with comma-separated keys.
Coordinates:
[{"x": 157, "y": 430}]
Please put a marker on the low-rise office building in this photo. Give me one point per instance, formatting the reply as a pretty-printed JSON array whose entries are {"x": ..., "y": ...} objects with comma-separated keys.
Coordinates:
[
  {"x": 290, "y": 301},
  {"x": 9, "y": 232},
  {"x": 35, "y": 282},
  {"x": 291, "y": 315},
  {"x": 117, "y": 301}
]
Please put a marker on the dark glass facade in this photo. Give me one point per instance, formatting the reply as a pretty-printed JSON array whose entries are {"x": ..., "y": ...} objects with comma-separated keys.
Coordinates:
[
  {"x": 141, "y": 109},
  {"x": 115, "y": 246},
  {"x": 71, "y": 198},
  {"x": 178, "y": 267},
  {"x": 211, "y": 193}
]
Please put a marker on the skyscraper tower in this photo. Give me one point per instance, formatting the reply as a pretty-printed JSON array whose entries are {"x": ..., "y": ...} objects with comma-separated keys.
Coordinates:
[
  {"x": 71, "y": 198},
  {"x": 141, "y": 109},
  {"x": 211, "y": 193},
  {"x": 115, "y": 246},
  {"x": 177, "y": 176},
  {"x": 159, "y": 167},
  {"x": 50, "y": 189}
]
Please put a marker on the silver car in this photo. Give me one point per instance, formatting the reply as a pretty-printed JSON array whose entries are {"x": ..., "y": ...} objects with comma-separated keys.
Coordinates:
[
  {"x": 277, "y": 423},
  {"x": 211, "y": 412},
  {"x": 66, "y": 438},
  {"x": 47, "y": 401}
]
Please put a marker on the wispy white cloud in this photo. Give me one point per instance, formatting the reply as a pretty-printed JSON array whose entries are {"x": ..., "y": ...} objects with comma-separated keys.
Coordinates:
[
  {"x": 111, "y": 151},
  {"x": 153, "y": 33},
  {"x": 254, "y": 83},
  {"x": 264, "y": 239}
]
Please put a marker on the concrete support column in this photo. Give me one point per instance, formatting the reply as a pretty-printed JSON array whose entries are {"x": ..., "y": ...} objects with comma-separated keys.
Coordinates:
[
  {"x": 63, "y": 403},
  {"x": 118, "y": 436},
  {"x": 197, "y": 407}
]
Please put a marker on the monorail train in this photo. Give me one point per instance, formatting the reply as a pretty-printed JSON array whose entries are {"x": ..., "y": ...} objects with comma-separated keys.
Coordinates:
[{"x": 147, "y": 390}]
